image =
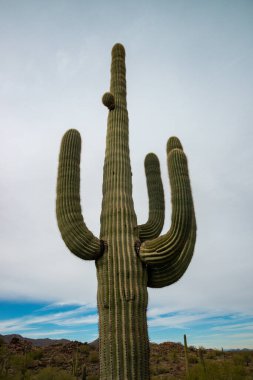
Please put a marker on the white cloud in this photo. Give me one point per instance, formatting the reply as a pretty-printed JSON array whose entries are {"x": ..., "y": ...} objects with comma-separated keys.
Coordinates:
[
  {"x": 78, "y": 321},
  {"x": 195, "y": 82},
  {"x": 39, "y": 334},
  {"x": 65, "y": 318},
  {"x": 239, "y": 326}
]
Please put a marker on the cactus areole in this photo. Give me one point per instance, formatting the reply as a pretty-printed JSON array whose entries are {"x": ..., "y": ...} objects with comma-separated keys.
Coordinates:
[{"x": 129, "y": 257}]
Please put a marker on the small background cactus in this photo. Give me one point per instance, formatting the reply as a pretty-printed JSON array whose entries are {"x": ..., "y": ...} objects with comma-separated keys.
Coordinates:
[{"x": 129, "y": 257}]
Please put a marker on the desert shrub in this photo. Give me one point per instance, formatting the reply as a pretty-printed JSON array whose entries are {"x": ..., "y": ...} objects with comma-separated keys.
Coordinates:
[
  {"x": 94, "y": 357},
  {"x": 211, "y": 355},
  {"x": 4, "y": 359},
  {"x": 192, "y": 359},
  {"x": 154, "y": 370},
  {"x": 17, "y": 361},
  {"x": 173, "y": 356},
  {"x": 219, "y": 353},
  {"x": 92, "y": 377},
  {"x": 84, "y": 348},
  {"x": 162, "y": 368},
  {"x": 15, "y": 376},
  {"x": 242, "y": 358},
  {"x": 58, "y": 359},
  {"x": 238, "y": 359},
  {"x": 248, "y": 357},
  {"x": 20, "y": 363},
  {"x": 37, "y": 354},
  {"x": 50, "y": 373},
  {"x": 156, "y": 358},
  {"x": 217, "y": 371}
]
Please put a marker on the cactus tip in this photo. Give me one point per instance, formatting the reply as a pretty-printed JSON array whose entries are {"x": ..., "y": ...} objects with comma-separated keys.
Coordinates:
[
  {"x": 173, "y": 143},
  {"x": 72, "y": 134},
  {"x": 118, "y": 49},
  {"x": 151, "y": 158}
]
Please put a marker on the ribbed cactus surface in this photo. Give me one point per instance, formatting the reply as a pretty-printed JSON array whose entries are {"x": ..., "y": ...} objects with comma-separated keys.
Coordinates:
[{"x": 129, "y": 257}]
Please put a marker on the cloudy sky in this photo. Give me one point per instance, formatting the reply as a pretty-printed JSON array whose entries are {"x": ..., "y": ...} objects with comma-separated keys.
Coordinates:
[{"x": 189, "y": 73}]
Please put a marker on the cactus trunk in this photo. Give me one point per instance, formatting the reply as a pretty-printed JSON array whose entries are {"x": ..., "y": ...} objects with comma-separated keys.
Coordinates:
[
  {"x": 129, "y": 257},
  {"x": 186, "y": 357},
  {"x": 122, "y": 277}
]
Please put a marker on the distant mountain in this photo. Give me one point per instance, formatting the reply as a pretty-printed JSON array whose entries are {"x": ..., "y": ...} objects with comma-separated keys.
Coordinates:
[
  {"x": 35, "y": 342},
  {"x": 94, "y": 344},
  {"x": 237, "y": 349}
]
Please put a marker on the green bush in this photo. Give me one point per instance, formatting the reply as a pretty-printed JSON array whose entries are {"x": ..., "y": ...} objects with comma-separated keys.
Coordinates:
[
  {"x": 94, "y": 357},
  {"x": 37, "y": 354},
  {"x": 242, "y": 358},
  {"x": 211, "y": 355},
  {"x": 162, "y": 368},
  {"x": 219, "y": 353},
  {"x": 53, "y": 374},
  {"x": 218, "y": 371},
  {"x": 20, "y": 363},
  {"x": 173, "y": 356},
  {"x": 193, "y": 359},
  {"x": 84, "y": 348},
  {"x": 58, "y": 359}
]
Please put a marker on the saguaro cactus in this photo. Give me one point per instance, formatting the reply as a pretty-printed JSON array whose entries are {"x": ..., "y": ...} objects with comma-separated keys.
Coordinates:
[{"x": 129, "y": 257}]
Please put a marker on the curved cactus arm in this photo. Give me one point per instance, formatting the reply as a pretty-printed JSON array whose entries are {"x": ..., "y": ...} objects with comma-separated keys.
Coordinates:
[
  {"x": 74, "y": 232},
  {"x": 153, "y": 227},
  {"x": 168, "y": 247},
  {"x": 173, "y": 269}
]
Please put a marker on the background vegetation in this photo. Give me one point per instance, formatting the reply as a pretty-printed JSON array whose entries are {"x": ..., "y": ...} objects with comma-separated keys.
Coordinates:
[{"x": 21, "y": 360}]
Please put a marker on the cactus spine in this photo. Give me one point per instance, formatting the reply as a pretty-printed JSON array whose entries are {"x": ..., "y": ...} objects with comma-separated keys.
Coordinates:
[{"x": 129, "y": 257}]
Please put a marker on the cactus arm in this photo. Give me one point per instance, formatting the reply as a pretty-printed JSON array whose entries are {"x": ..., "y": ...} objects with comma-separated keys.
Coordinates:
[
  {"x": 173, "y": 270},
  {"x": 167, "y": 248},
  {"x": 153, "y": 227},
  {"x": 74, "y": 232}
]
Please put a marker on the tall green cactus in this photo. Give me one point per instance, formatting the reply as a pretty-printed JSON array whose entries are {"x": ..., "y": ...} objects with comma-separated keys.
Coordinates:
[{"x": 129, "y": 257}]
